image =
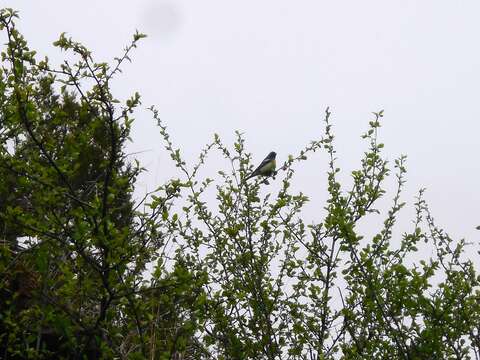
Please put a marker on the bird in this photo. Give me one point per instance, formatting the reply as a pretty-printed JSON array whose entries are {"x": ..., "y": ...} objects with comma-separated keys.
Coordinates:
[{"x": 266, "y": 167}]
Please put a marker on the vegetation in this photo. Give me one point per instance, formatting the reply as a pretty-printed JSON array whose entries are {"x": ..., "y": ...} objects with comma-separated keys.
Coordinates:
[{"x": 88, "y": 272}]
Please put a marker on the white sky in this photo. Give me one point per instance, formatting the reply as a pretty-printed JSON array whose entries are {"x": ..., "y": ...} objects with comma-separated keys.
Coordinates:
[{"x": 270, "y": 68}]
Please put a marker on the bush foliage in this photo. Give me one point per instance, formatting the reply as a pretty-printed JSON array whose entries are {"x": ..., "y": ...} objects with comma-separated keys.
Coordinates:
[{"x": 87, "y": 271}]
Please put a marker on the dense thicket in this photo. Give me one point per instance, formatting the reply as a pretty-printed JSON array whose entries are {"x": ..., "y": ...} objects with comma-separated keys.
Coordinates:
[{"x": 86, "y": 271}]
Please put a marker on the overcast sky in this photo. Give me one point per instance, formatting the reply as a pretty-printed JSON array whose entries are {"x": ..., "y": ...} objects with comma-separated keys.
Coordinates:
[{"x": 269, "y": 68}]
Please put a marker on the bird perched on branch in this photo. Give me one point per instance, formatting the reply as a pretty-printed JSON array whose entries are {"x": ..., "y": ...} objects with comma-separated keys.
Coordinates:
[{"x": 266, "y": 168}]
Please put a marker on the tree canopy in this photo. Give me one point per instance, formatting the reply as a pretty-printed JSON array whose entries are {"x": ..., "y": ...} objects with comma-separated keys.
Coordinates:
[{"x": 89, "y": 271}]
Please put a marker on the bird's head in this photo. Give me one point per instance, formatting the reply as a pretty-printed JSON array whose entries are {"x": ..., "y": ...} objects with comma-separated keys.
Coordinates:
[{"x": 272, "y": 155}]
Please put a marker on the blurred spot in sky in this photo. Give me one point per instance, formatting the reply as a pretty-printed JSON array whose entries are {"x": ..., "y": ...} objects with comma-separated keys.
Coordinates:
[{"x": 161, "y": 20}]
